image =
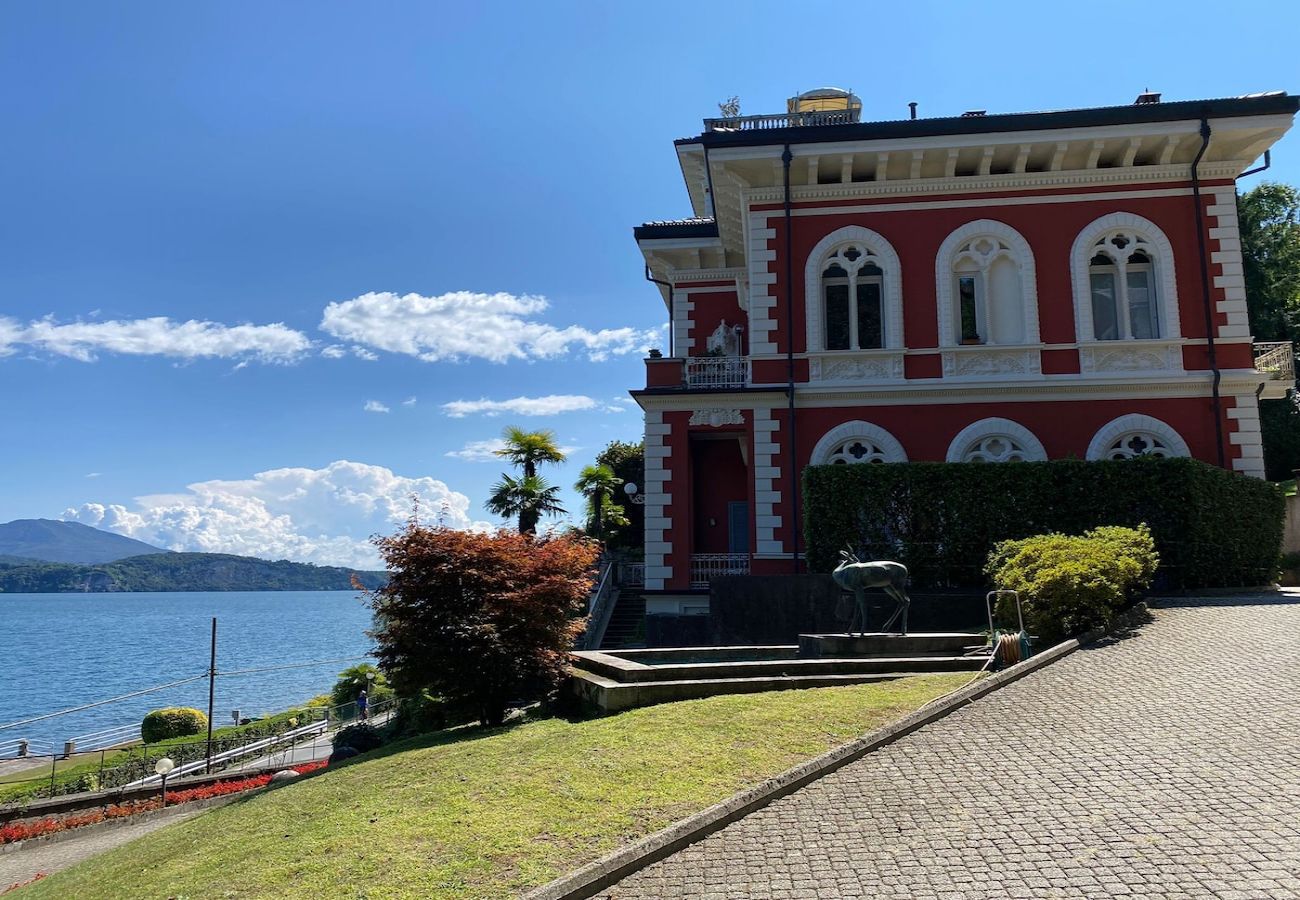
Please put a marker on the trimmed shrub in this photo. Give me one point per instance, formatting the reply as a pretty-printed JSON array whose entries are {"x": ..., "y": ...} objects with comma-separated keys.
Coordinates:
[
  {"x": 1071, "y": 584},
  {"x": 361, "y": 737},
  {"x": 172, "y": 722},
  {"x": 1212, "y": 528}
]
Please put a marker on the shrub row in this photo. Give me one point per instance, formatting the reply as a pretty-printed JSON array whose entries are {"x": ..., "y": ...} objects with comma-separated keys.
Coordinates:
[
  {"x": 1070, "y": 584},
  {"x": 1212, "y": 528}
]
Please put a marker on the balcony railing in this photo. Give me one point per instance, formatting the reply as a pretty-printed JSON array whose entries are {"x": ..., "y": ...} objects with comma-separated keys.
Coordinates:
[
  {"x": 717, "y": 372},
  {"x": 1276, "y": 359},
  {"x": 784, "y": 120},
  {"x": 707, "y": 566}
]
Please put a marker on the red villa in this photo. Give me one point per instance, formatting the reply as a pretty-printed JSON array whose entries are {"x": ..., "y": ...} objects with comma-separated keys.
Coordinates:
[{"x": 975, "y": 288}]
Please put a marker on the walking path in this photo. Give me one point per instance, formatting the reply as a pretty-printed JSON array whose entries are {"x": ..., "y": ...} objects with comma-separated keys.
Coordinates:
[
  {"x": 1165, "y": 764},
  {"x": 54, "y": 856}
]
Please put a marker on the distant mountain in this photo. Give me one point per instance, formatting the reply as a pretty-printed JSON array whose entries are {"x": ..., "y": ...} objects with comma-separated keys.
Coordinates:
[
  {"x": 67, "y": 542},
  {"x": 181, "y": 572}
]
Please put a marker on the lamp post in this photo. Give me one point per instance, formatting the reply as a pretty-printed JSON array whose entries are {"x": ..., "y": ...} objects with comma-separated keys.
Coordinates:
[
  {"x": 634, "y": 493},
  {"x": 164, "y": 767}
]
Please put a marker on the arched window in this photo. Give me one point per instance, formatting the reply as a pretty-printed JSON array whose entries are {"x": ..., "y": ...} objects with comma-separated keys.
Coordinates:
[
  {"x": 1124, "y": 281},
  {"x": 1137, "y": 435},
  {"x": 852, "y": 284},
  {"x": 996, "y": 440},
  {"x": 853, "y": 293},
  {"x": 985, "y": 278},
  {"x": 857, "y": 442}
]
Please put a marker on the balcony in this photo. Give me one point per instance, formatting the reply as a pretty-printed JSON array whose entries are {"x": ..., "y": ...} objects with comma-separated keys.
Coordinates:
[
  {"x": 1276, "y": 359},
  {"x": 785, "y": 120},
  {"x": 707, "y": 566},
  {"x": 716, "y": 372}
]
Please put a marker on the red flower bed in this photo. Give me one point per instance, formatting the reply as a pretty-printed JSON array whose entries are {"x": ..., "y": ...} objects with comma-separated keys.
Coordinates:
[{"x": 22, "y": 831}]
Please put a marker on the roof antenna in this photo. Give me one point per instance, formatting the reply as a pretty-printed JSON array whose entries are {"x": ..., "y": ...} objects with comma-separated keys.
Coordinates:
[{"x": 912, "y": 108}]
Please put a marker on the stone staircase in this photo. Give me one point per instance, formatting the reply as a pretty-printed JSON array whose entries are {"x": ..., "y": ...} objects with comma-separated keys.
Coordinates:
[{"x": 626, "y": 624}]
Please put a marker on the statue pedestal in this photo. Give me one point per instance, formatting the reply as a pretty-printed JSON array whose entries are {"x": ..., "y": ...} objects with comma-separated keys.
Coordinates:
[{"x": 844, "y": 646}]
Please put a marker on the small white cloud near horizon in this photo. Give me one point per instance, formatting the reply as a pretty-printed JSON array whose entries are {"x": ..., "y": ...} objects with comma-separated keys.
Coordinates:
[
  {"x": 409, "y": 401},
  {"x": 550, "y": 405},
  {"x": 155, "y": 336},
  {"x": 478, "y": 451},
  {"x": 324, "y": 516},
  {"x": 462, "y": 325},
  {"x": 374, "y": 406},
  {"x": 93, "y": 474}
]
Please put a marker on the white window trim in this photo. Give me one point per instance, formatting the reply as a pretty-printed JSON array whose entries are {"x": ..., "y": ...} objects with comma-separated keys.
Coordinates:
[
  {"x": 865, "y": 431},
  {"x": 891, "y": 295},
  {"x": 1165, "y": 284},
  {"x": 995, "y": 427},
  {"x": 945, "y": 276},
  {"x": 1109, "y": 433}
]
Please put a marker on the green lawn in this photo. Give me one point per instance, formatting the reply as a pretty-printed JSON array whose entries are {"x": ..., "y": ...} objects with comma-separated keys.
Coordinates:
[{"x": 489, "y": 813}]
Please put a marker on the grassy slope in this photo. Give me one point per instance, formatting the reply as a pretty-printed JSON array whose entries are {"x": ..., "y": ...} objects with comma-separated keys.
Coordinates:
[{"x": 489, "y": 813}]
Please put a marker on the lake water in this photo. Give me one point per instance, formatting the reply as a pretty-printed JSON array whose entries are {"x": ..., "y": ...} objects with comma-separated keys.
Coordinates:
[{"x": 64, "y": 650}]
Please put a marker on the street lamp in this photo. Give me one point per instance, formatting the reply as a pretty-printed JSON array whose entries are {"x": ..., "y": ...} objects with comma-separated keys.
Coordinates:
[
  {"x": 633, "y": 493},
  {"x": 164, "y": 767}
]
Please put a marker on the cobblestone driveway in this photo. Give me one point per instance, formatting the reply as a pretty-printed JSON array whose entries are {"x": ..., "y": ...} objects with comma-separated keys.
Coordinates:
[{"x": 1165, "y": 764}]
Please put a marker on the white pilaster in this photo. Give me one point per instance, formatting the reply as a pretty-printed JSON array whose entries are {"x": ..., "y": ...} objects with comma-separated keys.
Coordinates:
[
  {"x": 766, "y": 521},
  {"x": 658, "y": 531},
  {"x": 1247, "y": 436},
  {"x": 761, "y": 301}
]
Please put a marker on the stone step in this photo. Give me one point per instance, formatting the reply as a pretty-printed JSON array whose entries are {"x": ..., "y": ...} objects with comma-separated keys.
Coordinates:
[
  {"x": 623, "y": 670},
  {"x": 934, "y": 643},
  {"x": 610, "y": 695}
]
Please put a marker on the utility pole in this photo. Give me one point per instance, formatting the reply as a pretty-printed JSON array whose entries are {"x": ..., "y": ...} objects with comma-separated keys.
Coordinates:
[{"x": 212, "y": 693}]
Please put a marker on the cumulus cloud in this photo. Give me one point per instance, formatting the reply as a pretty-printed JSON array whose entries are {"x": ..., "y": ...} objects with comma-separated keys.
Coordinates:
[
  {"x": 467, "y": 325},
  {"x": 478, "y": 451},
  {"x": 550, "y": 405},
  {"x": 323, "y": 516},
  {"x": 375, "y": 406},
  {"x": 156, "y": 336}
]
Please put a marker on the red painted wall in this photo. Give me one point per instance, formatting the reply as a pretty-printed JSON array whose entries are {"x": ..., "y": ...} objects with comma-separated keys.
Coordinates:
[{"x": 1050, "y": 229}]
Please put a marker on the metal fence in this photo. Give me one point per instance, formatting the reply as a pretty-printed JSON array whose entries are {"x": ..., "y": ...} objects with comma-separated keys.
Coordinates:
[{"x": 54, "y": 773}]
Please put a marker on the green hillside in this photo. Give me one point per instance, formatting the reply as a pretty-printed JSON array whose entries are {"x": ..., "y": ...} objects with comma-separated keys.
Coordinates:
[{"x": 180, "y": 572}]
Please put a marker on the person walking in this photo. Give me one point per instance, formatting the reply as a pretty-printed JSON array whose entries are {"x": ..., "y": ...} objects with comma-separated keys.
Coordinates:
[{"x": 363, "y": 704}]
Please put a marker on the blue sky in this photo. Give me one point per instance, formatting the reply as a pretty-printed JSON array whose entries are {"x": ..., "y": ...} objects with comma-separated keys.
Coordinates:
[{"x": 250, "y": 164}]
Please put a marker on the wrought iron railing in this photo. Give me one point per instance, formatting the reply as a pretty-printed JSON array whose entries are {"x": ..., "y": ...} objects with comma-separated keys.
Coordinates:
[
  {"x": 716, "y": 371},
  {"x": 631, "y": 574},
  {"x": 784, "y": 120},
  {"x": 707, "y": 566},
  {"x": 1276, "y": 359}
]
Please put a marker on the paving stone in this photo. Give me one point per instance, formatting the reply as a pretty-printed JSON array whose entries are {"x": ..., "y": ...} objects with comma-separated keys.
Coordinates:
[{"x": 1162, "y": 764}]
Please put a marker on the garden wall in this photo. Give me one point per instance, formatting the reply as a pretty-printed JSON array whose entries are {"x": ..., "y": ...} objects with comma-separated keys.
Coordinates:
[{"x": 1212, "y": 528}]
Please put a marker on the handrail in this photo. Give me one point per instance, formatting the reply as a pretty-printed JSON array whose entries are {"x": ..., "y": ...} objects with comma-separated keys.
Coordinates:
[
  {"x": 717, "y": 371},
  {"x": 1276, "y": 359},
  {"x": 602, "y": 606}
]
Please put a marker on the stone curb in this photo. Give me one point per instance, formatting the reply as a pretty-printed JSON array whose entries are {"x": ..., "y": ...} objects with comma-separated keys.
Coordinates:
[
  {"x": 611, "y": 869},
  {"x": 74, "y": 833}
]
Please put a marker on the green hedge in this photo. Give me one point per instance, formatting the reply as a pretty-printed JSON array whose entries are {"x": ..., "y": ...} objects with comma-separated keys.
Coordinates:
[{"x": 1212, "y": 528}]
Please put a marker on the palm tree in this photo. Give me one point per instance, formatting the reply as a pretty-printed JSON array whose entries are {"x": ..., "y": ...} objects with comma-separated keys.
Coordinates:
[
  {"x": 597, "y": 484},
  {"x": 528, "y": 498},
  {"x": 528, "y": 448}
]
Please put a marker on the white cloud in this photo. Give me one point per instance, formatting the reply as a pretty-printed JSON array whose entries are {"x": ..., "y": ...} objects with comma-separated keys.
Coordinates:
[
  {"x": 375, "y": 406},
  {"x": 409, "y": 401},
  {"x": 467, "y": 325},
  {"x": 478, "y": 451},
  {"x": 156, "y": 336},
  {"x": 334, "y": 351},
  {"x": 550, "y": 405},
  {"x": 324, "y": 516},
  {"x": 93, "y": 474}
]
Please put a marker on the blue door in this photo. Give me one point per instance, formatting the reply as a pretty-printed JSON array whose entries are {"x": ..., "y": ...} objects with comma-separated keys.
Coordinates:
[{"x": 738, "y": 527}]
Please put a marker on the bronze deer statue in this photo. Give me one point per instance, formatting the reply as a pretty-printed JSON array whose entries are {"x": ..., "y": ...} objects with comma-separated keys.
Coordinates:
[{"x": 854, "y": 575}]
